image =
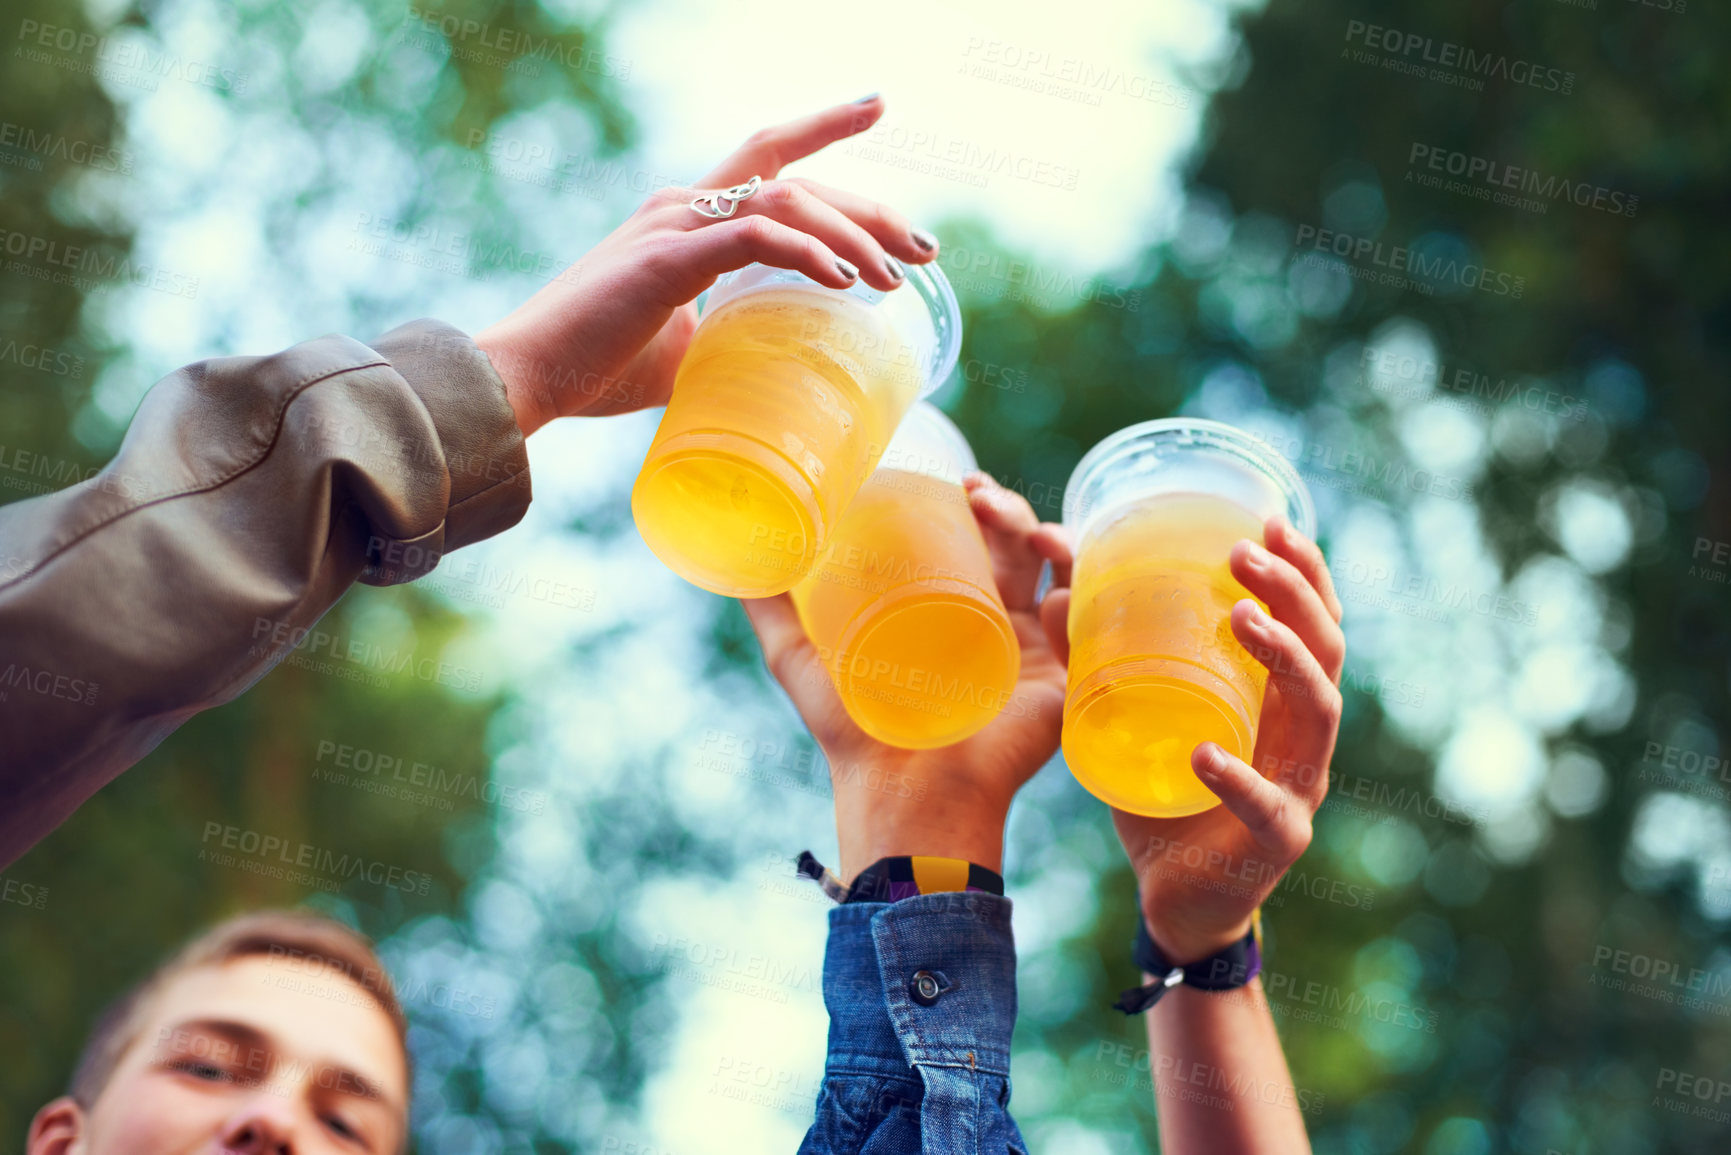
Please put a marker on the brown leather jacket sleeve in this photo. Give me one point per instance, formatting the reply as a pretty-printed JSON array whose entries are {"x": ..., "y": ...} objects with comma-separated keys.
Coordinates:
[{"x": 247, "y": 495}]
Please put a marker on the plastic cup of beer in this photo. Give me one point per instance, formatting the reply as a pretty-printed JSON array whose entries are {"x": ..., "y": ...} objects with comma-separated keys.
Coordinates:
[
  {"x": 1155, "y": 510},
  {"x": 788, "y": 393},
  {"x": 902, "y": 604}
]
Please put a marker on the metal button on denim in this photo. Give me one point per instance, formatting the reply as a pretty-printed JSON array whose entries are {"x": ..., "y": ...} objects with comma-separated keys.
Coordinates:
[{"x": 875, "y": 1097}]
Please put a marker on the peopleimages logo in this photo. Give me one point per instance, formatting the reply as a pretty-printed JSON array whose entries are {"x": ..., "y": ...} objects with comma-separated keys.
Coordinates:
[
  {"x": 269, "y": 854},
  {"x": 1687, "y": 760},
  {"x": 1324, "y": 889},
  {"x": 1454, "y": 63},
  {"x": 1662, "y": 980},
  {"x": 1065, "y": 77},
  {"x": 1330, "y": 465},
  {"x": 1490, "y": 178},
  {"x": 940, "y": 154},
  {"x": 394, "y": 775},
  {"x": 47, "y": 259},
  {"x": 42, "y": 359},
  {"x": 1375, "y": 583},
  {"x": 48, "y": 684},
  {"x": 515, "y": 45},
  {"x": 1428, "y": 271},
  {"x": 1325, "y": 1003},
  {"x": 23, "y": 893},
  {"x": 994, "y": 275},
  {"x": 287, "y": 642},
  {"x": 123, "y": 59},
  {"x": 55, "y": 146},
  {"x": 1402, "y": 375}
]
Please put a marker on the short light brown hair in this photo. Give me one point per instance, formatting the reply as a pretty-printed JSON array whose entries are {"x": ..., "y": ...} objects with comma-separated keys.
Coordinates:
[{"x": 300, "y": 935}]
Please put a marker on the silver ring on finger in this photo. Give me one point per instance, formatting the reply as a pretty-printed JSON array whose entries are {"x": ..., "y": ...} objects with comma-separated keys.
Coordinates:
[{"x": 726, "y": 202}]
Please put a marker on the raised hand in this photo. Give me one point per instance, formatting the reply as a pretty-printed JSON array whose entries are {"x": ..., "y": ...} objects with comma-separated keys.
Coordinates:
[
  {"x": 607, "y": 334},
  {"x": 951, "y": 801},
  {"x": 1201, "y": 877}
]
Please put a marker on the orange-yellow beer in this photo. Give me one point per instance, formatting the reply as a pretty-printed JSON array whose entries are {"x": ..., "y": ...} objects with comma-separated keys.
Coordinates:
[
  {"x": 786, "y": 397},
  {"x": 1155, "y": 669},
  {"x": 1154, "y": 666},
  {"x": 903, "y": 606}
]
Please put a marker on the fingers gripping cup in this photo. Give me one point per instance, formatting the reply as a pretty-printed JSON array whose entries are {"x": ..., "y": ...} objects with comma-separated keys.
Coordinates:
[
  {"x": 787, "y": 394},
  {"x": 1155, "y": 670},
  {"x": 903, "y": 606}
]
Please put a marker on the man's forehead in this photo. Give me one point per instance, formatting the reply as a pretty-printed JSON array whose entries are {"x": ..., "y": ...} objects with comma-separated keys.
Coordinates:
[
  {"x": 261, "y": 980},
  {"x": 309, "y": 1013}
]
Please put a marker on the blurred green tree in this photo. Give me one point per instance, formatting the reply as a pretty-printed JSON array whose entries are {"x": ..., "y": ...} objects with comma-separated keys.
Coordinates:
[
  {"x": 1439, "y": 980},
  {"x": 1584, "y": 414},
  {"x": 371, "y": 758}
]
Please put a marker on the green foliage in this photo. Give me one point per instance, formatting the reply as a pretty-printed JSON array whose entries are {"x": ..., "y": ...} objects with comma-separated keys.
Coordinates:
[
  {"x": 1620, "y": 311},
  {"x": 368, "y": 758},
  {"x": 1485, "y": 933}
]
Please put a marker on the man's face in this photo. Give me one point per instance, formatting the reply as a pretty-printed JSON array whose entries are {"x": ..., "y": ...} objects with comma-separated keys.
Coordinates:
[{"x": 256, "y": 1055}]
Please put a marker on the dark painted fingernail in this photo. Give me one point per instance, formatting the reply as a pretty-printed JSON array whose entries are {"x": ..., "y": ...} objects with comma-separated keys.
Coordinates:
[
  {"x": 924, "y": 240},
  {"x": 845, "y": 269},
  {"x": 867, "y": 99},
  {"x": 895, "y": 268}
]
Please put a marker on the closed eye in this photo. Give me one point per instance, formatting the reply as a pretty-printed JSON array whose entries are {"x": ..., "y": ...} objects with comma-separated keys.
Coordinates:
[
  {"x": 343, "y": 1130},
  {"x": 199, "y": 1069}
]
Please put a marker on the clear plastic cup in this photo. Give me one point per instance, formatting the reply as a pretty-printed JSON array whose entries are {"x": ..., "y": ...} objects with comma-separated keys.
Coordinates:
[
  {"x": 786, "y": 397},
  {"x": 903, "y": 606},
  {"x": 1154, "y": 667}
]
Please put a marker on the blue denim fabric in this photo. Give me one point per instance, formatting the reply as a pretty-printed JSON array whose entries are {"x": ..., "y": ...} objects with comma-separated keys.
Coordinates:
[{"x": 904, "y": 1078}]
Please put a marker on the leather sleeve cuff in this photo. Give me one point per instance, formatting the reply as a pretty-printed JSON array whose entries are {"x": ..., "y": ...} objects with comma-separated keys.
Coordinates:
[{"x": 484, "y": 451}]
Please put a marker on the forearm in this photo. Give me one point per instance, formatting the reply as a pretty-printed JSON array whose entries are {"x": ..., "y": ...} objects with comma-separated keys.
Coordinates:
[
  {"x": 248, "y": 495},
  {"x": 1220, "y": 1079}
]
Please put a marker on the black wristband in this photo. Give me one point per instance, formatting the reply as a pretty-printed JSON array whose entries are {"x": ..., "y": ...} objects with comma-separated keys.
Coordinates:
[
  {"x": 903, "y": 876},
  {"x": 1226, "y": 970}
]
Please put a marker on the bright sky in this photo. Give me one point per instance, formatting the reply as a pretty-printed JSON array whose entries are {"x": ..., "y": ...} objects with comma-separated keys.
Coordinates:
[{"x": 1081, "y": 176}]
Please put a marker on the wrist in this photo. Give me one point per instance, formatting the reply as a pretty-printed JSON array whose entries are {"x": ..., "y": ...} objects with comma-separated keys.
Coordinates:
[
  {"x": 511, "y": 359},
  {"x": 980, "y": 845},
  {"x": 892, "y": 813},
  {"x": 1185, "y": 945}
]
